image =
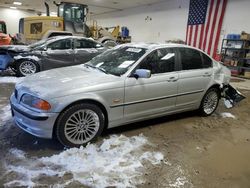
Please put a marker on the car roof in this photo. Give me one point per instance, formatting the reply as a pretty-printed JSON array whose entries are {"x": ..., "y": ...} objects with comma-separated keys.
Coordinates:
[
  {"x": 65, "y": 37},
  {"x": 56, "y": 38},
  {"x": 154, "y": 46}
]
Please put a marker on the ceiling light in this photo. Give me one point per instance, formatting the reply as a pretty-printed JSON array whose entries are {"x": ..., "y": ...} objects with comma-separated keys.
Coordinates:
[
  {"x": 17, "y": 3},
  {"x": 13, "y": 7}
]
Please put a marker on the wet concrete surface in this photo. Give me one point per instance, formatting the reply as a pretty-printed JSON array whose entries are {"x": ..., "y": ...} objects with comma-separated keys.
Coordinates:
[{"x": 200, "y": 151}]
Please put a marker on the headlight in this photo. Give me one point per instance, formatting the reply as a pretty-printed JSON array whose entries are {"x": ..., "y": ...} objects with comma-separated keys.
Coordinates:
[{"x": 35, "y": 102}]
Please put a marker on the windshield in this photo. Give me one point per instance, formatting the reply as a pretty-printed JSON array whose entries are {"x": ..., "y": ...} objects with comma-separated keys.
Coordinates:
[
  {"x": 117, "y": 61},
  {"x": 40, "y": 43}
]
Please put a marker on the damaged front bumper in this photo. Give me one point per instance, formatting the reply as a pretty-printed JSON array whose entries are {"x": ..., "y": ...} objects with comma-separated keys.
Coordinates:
[{"x": 232, "y": 96}]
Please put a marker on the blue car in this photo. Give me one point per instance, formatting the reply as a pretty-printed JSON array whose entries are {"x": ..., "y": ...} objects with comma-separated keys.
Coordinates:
[{"x": 5, "y": 60}]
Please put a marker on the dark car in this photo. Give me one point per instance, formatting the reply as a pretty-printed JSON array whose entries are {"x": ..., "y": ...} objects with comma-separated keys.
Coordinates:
[{"x": 48, "y": 54}]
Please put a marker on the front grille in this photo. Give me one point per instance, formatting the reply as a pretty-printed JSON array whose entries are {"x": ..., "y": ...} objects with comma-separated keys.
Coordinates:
[{"x": 16, "y": 93}]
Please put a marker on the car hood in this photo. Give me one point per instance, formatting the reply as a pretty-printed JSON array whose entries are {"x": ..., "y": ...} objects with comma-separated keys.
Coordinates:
[
  {"x": 67, "y": 81},
  {"x": 15, "y": 48}
]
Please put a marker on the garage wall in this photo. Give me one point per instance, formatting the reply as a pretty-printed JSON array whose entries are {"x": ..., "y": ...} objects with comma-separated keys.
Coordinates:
[
  {"x": 11, "y": 17},
  {"x": 169, "y": 20},
  {"x": 237, "y": 16}
]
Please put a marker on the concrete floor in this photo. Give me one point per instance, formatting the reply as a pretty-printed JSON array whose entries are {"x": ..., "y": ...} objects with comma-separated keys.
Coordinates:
[{"x": 199, "y": 152}]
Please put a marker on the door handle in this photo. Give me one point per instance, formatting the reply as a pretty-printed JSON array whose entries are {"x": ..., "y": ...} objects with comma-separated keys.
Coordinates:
[
  {"x": 172, "y": 79},
  {"x": 206, "y": 74}
]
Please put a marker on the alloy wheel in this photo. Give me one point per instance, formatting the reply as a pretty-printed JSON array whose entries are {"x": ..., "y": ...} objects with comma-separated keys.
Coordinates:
[
  {"x": 82, "y": 126},
  {"x": 27, "y": 68},
  {"x": 210, "y": 102}
]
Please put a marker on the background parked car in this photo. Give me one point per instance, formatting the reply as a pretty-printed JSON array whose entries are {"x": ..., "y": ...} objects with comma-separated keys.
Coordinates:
[{"x": 48, "y": 54}]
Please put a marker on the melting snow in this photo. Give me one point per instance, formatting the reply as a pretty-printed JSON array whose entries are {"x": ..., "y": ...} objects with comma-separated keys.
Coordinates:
[
  {"x": 179, "y": 182},
  {"x": 5, "y": 115},
  {"x": 35, "y": 58},
  {"x": 228, "y": 103},
  {"x": 227, "y": 115},
  {"x": 9, "y": 79},
  {"x": 17, "y": 153},
  {"x": 118, "y": 162}
]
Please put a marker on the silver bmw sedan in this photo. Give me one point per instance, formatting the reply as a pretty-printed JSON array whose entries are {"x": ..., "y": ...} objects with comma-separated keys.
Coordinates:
[{"x": 126, "y": 84}]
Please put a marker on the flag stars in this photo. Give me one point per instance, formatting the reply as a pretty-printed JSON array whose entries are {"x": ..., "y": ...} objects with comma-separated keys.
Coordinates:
[{"x": 197, "y": 12}]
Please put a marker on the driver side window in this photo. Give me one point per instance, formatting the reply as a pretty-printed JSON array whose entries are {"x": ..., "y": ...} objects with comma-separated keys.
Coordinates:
[{"x": 159, "y": 61}]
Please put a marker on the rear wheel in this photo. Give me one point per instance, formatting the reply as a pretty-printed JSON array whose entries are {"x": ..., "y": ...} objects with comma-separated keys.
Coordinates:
[
  {"x": 79, "y": 125},
  {"x": 27, "y": 67},
  {"x": 210, "y": 102}
]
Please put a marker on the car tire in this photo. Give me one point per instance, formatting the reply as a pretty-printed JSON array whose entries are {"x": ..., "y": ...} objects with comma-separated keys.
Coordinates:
[
  {"x": 210, "y": 102},
  {"x": 27, "y": 67},
  {"x": 80, "y": 124}
]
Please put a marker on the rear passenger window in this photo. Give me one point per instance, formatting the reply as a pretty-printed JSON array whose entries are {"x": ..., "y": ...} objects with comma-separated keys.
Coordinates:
[
  {"x": 85, "y": 44},
  {"x": 207, "y": 61},
  {"x": 190, "y": 59},
  {"x": 159, "y": 61}
]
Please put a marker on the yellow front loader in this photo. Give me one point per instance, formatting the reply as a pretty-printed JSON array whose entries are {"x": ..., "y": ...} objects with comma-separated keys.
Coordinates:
[{"x": 71, "y": 20}]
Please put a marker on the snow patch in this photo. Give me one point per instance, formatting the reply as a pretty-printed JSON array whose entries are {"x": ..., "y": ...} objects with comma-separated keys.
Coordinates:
[
  {"x": 154, "y": 158},
  {"x": 227, "y": 115},
  {"x": 90, "y": 50},
  {"x": 5, "y": 114},
  {"x": 9, "y": 79},
  {"x": 228, "y": 103},
  {"x": 179, "y": 182},
  {"x": 35, "y": 58},
  {"x": 118, "y": 162},
  {"x": 17, "y": 153}
]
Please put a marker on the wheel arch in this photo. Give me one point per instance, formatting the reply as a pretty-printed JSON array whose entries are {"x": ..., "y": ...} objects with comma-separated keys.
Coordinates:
[
  {"x": 216, "y": 86},
  {"x": 90, "y": 101}
]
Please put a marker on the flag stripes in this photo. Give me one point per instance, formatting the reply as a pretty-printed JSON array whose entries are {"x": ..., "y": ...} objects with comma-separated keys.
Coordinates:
[{"x": 205, "y": 23}]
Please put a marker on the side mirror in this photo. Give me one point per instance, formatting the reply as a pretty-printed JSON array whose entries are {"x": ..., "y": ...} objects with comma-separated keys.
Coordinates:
[
  {"x": 142, "y": 73},
  {"x": 44, "y": 48}
]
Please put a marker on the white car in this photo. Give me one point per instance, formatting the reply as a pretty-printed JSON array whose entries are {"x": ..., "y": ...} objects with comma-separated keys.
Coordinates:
[{"x": 129, "y": 83}]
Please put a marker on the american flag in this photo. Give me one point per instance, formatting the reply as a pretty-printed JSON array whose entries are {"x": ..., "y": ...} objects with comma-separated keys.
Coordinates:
[{"x": 205, "y": 20}]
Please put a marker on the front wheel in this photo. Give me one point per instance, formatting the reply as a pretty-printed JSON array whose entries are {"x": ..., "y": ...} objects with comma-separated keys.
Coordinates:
[
  {"x": 26, "y": 67},
  {"x": 209, "y": 102},
  {"x": 80, "y": 124}
]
